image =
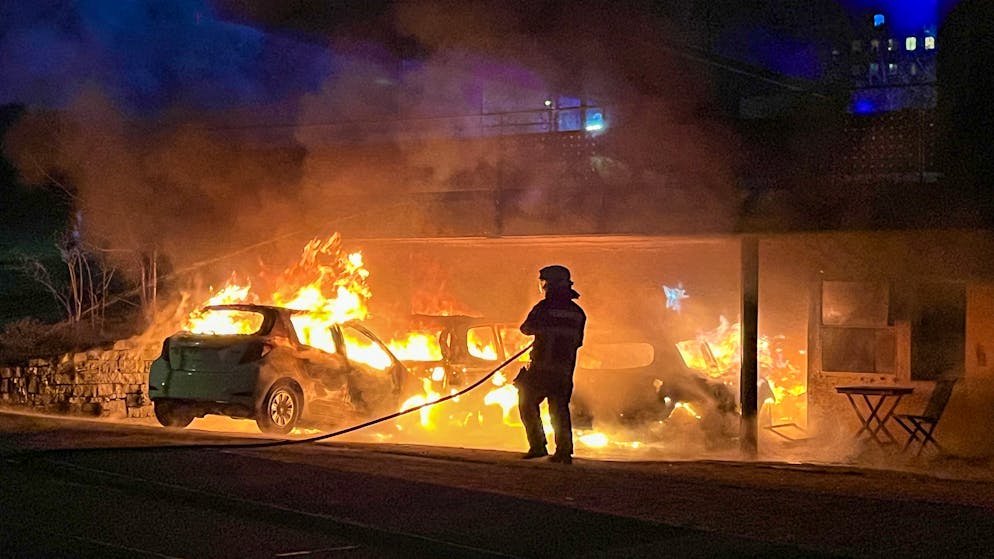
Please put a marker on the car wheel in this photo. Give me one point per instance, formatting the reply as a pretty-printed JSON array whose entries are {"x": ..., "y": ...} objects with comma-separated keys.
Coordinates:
[
  {"x": 280, "y": 409},
  {"x": 171, "y": 414}
]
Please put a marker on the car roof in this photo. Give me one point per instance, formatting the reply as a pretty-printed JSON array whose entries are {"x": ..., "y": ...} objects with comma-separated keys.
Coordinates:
[
  {"x": 450, "y": 320},
  {"x": 249, "y": 307}
]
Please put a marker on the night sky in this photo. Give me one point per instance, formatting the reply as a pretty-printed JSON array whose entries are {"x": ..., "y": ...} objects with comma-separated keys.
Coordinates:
[{"x": 148, "y": 56}]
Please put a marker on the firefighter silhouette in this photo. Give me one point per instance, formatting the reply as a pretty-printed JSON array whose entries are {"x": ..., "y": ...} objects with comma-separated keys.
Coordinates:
[{"x": 557, "y": 323}]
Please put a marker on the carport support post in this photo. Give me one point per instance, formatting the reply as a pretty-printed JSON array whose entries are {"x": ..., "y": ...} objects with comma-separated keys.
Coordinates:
[{"x": 749, "y": 372}]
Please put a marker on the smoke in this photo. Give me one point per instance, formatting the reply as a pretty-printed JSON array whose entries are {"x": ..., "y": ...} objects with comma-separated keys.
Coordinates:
[{"x": 230, "y": 136}]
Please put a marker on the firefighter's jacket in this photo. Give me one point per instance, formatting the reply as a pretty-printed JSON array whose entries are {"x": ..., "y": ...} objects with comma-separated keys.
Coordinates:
[{"x": 557, "y": 324}]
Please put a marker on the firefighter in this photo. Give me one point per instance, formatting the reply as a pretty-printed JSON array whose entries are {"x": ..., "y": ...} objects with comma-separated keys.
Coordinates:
[{"x": 557, "y": 324}]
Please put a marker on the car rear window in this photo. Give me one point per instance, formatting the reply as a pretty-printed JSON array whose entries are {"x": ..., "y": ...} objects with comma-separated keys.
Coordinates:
[
  {"x": 225, "y": 322},
  {"x": 610, "y": 356}
]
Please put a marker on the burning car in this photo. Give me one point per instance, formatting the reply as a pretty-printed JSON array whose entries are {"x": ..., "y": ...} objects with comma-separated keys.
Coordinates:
[
  {"x": 452, "y": 351},
  {"x": 628, "y": 380},
  {"x": 247, "y": 361}
]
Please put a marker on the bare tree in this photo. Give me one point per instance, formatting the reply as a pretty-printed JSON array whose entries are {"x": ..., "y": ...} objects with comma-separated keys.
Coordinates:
[{"x": 83, "y": 294}]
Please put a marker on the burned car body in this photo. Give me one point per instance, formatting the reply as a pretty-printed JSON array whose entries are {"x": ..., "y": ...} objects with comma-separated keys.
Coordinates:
[
  {"x": 634, "y": 381},
  {"x": 462, "y": 348},
  {"x": 270, "y": 376}
]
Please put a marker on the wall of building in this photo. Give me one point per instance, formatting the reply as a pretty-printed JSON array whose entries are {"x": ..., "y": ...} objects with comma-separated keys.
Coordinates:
[{"x": 900, "y": 257}]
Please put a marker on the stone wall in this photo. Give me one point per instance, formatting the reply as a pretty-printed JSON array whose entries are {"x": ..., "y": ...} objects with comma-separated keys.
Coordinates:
[{"x": 106, "y": 383}]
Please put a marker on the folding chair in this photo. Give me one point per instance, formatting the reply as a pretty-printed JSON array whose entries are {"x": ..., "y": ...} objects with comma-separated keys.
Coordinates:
[{"x": 923, "y": 425}]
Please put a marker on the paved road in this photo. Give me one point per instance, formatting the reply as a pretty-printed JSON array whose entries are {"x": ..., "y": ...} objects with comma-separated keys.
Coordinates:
[{"x": 363, "y": 500}]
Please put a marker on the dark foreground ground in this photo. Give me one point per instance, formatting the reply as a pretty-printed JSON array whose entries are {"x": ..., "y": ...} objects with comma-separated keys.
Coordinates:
[{"x": 75, "y": 488}]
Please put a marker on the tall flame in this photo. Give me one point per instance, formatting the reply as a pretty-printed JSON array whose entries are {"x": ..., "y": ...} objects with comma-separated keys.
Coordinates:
[{"x": 327, "y": 284}]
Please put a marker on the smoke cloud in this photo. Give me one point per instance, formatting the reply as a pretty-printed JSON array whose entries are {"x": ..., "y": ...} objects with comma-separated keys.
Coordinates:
[{"x": 199, "y": 130}]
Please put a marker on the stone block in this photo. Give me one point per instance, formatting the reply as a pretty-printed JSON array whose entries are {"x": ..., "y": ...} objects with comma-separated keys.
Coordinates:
[
  {"x": 91, "y": 408},
  {"x": 6, "y": 372},
  {"x": 136, "y": 399},
  {"x": 114, "y": 408},
  {"x": 79, "y": 358},
  {"x": 38, "y": 363},
  {"x": 140, "y": 411}
]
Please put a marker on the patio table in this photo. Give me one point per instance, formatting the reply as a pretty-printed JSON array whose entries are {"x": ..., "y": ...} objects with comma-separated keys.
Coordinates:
[{"x": 875, "y": 398}]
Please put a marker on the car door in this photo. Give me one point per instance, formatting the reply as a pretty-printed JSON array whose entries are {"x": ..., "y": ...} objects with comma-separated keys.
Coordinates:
[{"x": 375, "y": 374}]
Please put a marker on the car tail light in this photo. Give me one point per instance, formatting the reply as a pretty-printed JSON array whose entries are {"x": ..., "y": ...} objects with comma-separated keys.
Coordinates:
[{"x": 255, "y": 351}]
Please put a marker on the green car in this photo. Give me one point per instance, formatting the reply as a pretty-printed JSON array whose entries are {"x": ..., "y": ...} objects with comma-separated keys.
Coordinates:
[{"x": 270, "y": 376}]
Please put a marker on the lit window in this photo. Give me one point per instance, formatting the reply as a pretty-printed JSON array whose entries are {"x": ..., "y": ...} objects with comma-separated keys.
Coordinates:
[
  {"x": 857, "y": 46},
  {"x": 595, "y": 120},
  {"x": 891, "y": 44},
  {"x": 874, "y": 67},
  {"x": 913, "y": 69},
  {"x": 929, "y": 43},
  {"x": 892, "y": 68},
  {"x": 878, "y": 20},
  {"x": 911, "y": 43},
  {"x": 875, "y": 45}
]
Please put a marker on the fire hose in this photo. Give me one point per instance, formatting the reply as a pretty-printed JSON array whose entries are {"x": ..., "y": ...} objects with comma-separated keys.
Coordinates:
[
  {"x": 286, "y": 442},
  {"x": 371, "y": 422}
]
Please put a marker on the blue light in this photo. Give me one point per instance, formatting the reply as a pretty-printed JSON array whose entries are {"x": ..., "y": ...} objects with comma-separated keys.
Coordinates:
[
  {"x": 674, "y": 295},
  {"x": 863, "y": 107},
  {"x": 903, "y": 17}
]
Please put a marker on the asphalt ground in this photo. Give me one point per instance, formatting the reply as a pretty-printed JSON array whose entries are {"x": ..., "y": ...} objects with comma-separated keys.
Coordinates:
[{"x": 80, "y": 489}]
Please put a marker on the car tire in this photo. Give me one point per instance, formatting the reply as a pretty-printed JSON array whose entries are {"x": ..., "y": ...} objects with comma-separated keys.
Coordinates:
[
  {"x": 280, "y": 409},
  {"x": 172, "y": 415}
]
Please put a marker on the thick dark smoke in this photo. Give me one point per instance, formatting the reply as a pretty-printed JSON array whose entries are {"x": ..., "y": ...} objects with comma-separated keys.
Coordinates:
[{"x": 198, "y": 130}]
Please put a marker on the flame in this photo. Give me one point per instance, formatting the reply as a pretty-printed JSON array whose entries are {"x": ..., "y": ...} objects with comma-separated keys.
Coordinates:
[
  {"x": 717, "y": 354},
  {"x": 594, "y": 440},
  {"x": 416, "y": 347},
  {"x": 421, "y": 399},
  {"x": 328, "y": 285},
  {"x": 481, "y": 348},
  {"x": 507, "y": 398}
]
